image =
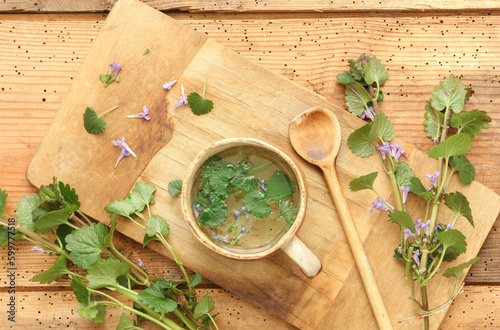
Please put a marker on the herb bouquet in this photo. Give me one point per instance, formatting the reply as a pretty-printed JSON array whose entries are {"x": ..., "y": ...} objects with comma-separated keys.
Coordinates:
[
  {"x": 426, "y": 242},
  {"x": 54, "y": 213}
]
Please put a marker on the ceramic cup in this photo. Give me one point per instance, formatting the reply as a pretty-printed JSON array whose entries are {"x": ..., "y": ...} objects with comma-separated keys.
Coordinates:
[{"x": 288, "y": 243}]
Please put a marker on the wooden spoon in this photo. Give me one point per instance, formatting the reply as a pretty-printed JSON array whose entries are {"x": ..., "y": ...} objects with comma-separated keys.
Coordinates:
[{"x": 315, "y": 135}]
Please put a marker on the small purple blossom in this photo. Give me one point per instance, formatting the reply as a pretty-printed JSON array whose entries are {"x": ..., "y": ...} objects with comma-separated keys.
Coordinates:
[
  {"x": 37, "y": 249},
  {"x": 407, "y": 233},
  {"x": 168, "y": 85},
  {"x": 415, "y": 256},
  {"x": 143, "y": 115},
  {"x": 141, "y": 264},
  {"x": 236, "y": 214},
  {"x": 368, "y": 113},
  {"x": 126, "y": 151},
  {"x": 262, "y": 184},
  {"x": 405, "y": 191},
  {"x": 183, "y": 100},
  {"x": 418, "y": 224},
  {"x": 222, "y": 239},
  {"x": 196, "y": 210},
  {"x": 380, "y": 205},
  {"x": 433, "y": 179},
  {"x": 114, "y": 68},
  {"x": 394, "y": 151},
  {"x": 245, "y": 212},
  {"x": 425, "y": 227},
  {"x": 449, "y": 226}
]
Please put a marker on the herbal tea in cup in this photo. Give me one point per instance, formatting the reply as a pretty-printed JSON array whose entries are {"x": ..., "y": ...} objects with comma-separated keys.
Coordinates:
[{"x": 245, "y": 199}]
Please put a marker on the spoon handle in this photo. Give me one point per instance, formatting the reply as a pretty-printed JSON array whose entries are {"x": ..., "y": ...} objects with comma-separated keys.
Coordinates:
[{"x": 357, "y": 249}]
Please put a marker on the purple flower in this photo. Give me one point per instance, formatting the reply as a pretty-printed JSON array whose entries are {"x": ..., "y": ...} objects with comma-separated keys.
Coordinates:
[
  {"x": 168, "y": 85},
  {"x": 196, "y": 210},
  {"x": 415, "y": 256},
  {"x": 141, "y": 264},
  {"x": 380, "y": 205},
  {"x": 368, "y": 113},
  {"x": 433, "y": 179},
  {"x": 245, "y": 212},
  {"x": 418, "y": 225},
  {"x": 37, "y": 249},
  {"x": 126, "y": 151},
  {"x": 114, "y": 68},
  {"x": 143, "y": 115},
  {"x": 394, "y": 151},
  {"x": 405, "y": 191},
  {"x": 183, "y": 100},
  {"x": 407, "y": 233},
  {"x": 425, "y": 227},
  {"x": 262, "y": 184},
  {"x": 449, "y": 226},
  {"x": 236, "y": 216}
]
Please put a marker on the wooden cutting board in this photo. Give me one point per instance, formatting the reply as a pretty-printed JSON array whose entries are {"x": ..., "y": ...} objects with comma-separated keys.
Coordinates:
[{"x": 249, "y": 102}]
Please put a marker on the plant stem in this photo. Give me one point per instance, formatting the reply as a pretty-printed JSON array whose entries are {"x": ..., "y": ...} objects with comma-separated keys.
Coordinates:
[
  {"x": 185, "y": 319},
  {"x": 176, "y": 259},
  {"x": 204, "y": 86},
  {"x": 425, "y": 305},
  {"x": 260, "y": 168},
  {"x": 135, "y": 311},
  {"x": 77, "y": 220},
  {"x": 105, "y": 112},
  {"x": 136, "y": 270},
  {"x": 84, "y": 216},
  {"x": 374, "y": 98},
  {"x": 142, "y": 226}
]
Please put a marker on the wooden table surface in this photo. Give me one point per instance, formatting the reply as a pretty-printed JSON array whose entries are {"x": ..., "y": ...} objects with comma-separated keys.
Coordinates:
[{"x": 43, "y": 43}]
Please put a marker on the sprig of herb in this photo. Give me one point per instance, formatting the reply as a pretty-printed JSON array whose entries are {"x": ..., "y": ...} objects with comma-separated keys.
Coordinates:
[
  {"x": 112, "y": 75},
  {"x": 93, "y": 122},
  {"x": 89, "y": 246},
  {"x": 424, "y": 244},
  {"x": 198, "y": 103}
]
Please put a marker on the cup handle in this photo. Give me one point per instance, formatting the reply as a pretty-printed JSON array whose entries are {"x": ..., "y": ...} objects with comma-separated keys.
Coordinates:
[{"x": 303, "y": 257}]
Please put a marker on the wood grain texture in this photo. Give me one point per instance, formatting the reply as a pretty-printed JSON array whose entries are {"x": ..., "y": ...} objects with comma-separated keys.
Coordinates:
[
  {"x": 41, "y": 54},
  {"x": 37, "y": 6}
]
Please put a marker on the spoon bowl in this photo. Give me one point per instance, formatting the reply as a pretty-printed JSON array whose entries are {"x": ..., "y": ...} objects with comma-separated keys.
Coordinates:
[{"x": 315, "y": 135}]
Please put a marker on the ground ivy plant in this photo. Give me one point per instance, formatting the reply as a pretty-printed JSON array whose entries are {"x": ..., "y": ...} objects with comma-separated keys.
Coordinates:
[
  {"x": 102, "y": 268},
  {"x": 427, "y": 241}
]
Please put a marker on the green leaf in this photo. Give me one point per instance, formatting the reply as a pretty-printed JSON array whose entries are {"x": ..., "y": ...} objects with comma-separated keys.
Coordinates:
[
  {"x": 403, "y": 173},
  {"x": 4, "y": 235},
  {"x": 375, "y": 72},
  {"x": 219, "y": 181},
  {"x": 87, "y": 244},
  {"x": 125, "y": 323},
  {"x": 381, "y": 128},
  {"x": 433, "y": 122},
  {"x": 28, "y": 204},
  {"x": 464, "y": 167},
  {"x": 157, "y": 224},
  {"x": 359, "y": 141},
  {"x": 53, "y": 219},
  {"x": 403, "y": 219},
  {"x": 62, "y": 232},
  {"x": 198, "y": 104},
  {"x": 455, "y": 145},
  {"x": 450, "y": 94},
  {"x": 69, "y": 195},
  {"x": 459, "y": 204},
  {"x": 123, "y": 207},
  {"x": 363, "y": 182},
  {"x": 279, "y": 186},
  {"x": 3, "y": 201},
  {"x": 214, "y": 215},
  {"x": 205, "y": 306},
  {"x": 93, "y": 311},
  {"x": 154, "y": 298},
  {"x": 175, "y": 187},
  {"x": 142, "y": 195},
  {"x": 471, "y": 122},
  {"x": 288, "y": 210},
  {"x": 195, "y": 280},
  {"x": 356, "y": 98},
  {"x": 345, "y": 78},
  {"x": 104, "y": 273},
  {"x": 92, "y": 122},
  {"x": 358, "y": 66},
  {"x": 53, "y": 273},
  {"x": 418, "y": 188},
  {"x": 256, "y": 204},
  {"x": 147, "y": 239},
  {"x": 454, "y": 243},
  {"x": 81, "y": 293},
  {"x": 457, "y": 270},
  {"x": 241, "y": 179}
]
